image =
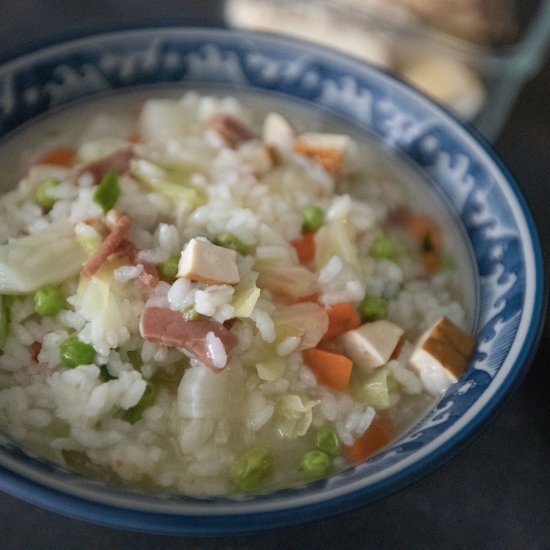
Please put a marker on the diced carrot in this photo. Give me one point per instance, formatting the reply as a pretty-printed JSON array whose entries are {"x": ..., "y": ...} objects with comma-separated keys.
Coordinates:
[
  {"x": 330, "y": 369},
  {"x": 60, "y": 156},
  {"x": 341, "y": 318},
  {"x": 378, "y": 435},
  {"x": 305, "y": 247},
  {"x": 424, "y": 228},
  {"x": 431, "y": 261}
]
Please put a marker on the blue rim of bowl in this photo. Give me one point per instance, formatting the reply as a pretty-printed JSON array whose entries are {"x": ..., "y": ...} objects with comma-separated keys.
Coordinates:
[{"x": 40, "y": 485}]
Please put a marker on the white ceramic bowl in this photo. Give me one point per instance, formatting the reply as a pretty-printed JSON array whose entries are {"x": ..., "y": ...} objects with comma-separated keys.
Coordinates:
[{"x": 480, "y": 195}]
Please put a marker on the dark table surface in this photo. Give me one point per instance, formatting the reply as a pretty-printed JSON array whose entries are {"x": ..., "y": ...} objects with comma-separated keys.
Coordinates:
[{"x": 495, "y": 493}]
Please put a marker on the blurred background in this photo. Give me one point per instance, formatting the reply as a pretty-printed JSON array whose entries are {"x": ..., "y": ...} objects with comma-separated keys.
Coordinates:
[{"x": 486, "y": 60}]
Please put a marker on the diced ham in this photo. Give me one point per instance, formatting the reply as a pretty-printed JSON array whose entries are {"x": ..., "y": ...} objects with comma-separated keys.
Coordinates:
[
  {"x": 118, "y": 160},
  {"x": 232, "y": 130},
  {"x": 119, "y": 224},
  {"x": 34, "y": 349},
  {"x": 149, "y": 276},
  {"x": 167, "y": 327}
]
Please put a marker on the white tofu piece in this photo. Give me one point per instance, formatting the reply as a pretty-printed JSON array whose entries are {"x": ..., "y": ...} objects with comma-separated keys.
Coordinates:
[
  {"x": 441, "y": 355},
  {"x": 372, "y": 344},
  {"x": 337, "y": 153},
  {"x": 278, "y": 131},
  {"x": 204, "y": 261}
]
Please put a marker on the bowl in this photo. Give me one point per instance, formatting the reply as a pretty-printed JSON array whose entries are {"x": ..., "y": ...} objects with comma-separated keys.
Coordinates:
[{"x": 480, "y": 197}]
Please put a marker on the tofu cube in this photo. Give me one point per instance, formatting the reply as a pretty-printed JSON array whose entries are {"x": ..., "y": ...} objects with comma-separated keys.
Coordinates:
[
  {"x": 336, "y": 153},
  {"x": 209, "y": 263},
  {"x": 441, "y": 355},
  {"x": 372, "y": 344},
  {"x": 277, "y": 131}
]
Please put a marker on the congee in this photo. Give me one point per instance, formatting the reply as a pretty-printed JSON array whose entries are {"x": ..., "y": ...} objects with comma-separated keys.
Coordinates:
[{"x": 207, "y": 297}]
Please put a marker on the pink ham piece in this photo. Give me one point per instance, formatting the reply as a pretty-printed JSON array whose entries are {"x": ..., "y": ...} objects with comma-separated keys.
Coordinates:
[
  {"x": 119, "y": 224},
  {"x": 167, "y": 327},
  {"x": 230, "y": 129},
  {"x": 118, "y": 160}
]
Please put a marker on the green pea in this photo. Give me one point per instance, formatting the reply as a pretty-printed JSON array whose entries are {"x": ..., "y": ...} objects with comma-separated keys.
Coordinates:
[
  {"x": 48, "y": 300},
  {"x": 75, "y": 459},
  {"x": 252, "y": 468},
  {"x": 316, "y": 464},
  {"x": 104, "y": 374},
  {"x": 6, "y": 306},
  {"x": 134, "y": 356},
  {"x": 108, "y": 191},
  {"x": 313, "y": 218},
  {"x": 383, "y": 248},
  {"x": 169, "y": 268},
  {"x": 75, "y": 353},
  {"x": 42, "y": 193},
  {"x": 327, "y": 441},
  {"x": 135, "y": 413},
  {"x": 373, "y": 308},
  {"x": 228, "y": 240}
]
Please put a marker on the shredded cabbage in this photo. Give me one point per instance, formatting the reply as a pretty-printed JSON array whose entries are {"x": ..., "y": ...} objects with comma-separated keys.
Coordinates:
[
  {"x": 307, "y": 320},
  {"x": 335, "y": 238},
  {"x": 246, "y": 295},
  {"x": 48, "y": 257},
  {"x": 295, "y": 415},
  {"x": 98, "y": 148},
  {"x": 88, "y": 238},
  {"x": 373, "y": 390},
  {"x": 203, "y": 393},
  {"x": 271, "y": 370},
  {"x": 174, "y": 185},
  {"x": 102, "y": 308},
  {"x": 284, "y": 278}
]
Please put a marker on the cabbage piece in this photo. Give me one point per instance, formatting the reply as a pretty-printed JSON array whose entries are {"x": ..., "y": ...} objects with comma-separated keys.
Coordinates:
[
  {"x": 295, "y": 415},
  {"x": 285, "y": 278},
  {"x": 246, "y": 295},
  {"x": 203, "y": 393},
  {"x": 99, "y": 148},
  {"x": 88, "y": 238},
  {"x": 337, "y": 238},
  {"x": 48, "y": 257},
  {"x": 175, "y": 185},
  {"x": 373, "y": 390},
  {"x": 271, "y": 370},
  {"x": 307, "y": 320},
  {"x": 102, "y": 308},
  {"x": 162, "y": 120}
]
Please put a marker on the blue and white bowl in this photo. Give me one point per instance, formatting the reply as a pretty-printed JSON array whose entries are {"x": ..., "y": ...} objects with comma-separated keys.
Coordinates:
[{"x": 481, "y": 196}]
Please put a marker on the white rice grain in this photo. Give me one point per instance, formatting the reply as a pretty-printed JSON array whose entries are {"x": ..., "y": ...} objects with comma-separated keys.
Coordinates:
[
  {"x": 330, "y": 270},
  {"x": 216, "y": 351}
]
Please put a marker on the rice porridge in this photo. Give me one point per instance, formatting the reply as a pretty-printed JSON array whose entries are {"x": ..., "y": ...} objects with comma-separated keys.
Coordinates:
[{"x": 209, "y": 295}]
